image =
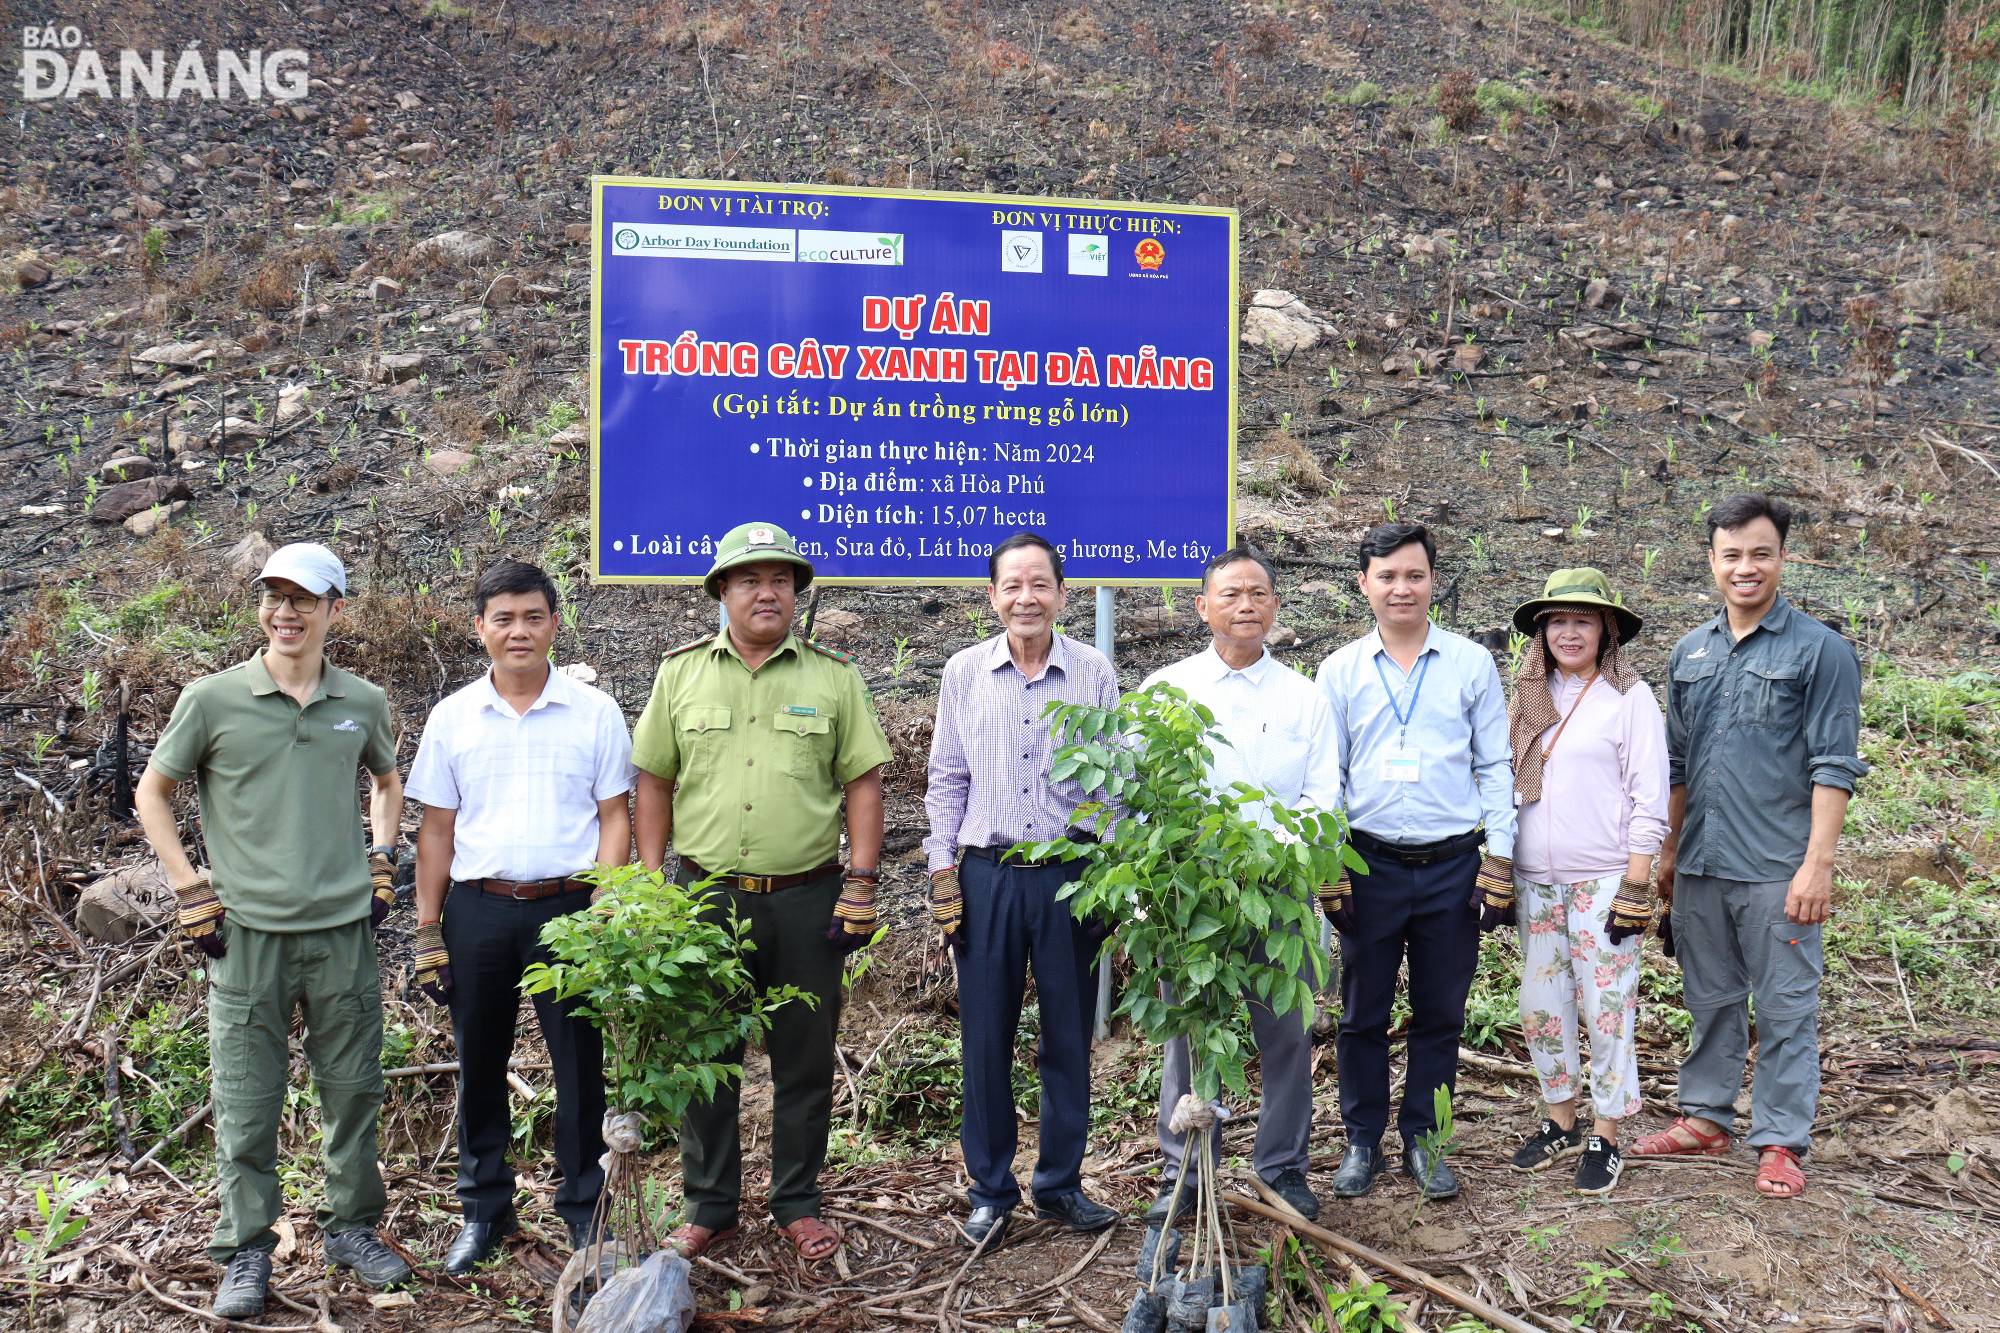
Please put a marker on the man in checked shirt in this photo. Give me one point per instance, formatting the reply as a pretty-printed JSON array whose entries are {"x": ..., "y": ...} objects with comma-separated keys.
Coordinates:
[{"x": 989, "y": 789}]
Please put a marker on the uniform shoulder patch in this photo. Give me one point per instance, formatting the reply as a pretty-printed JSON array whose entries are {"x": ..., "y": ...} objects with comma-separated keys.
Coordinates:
[
  {"x": 825, "y": 651},
  {"x": 688, "y": 647}
]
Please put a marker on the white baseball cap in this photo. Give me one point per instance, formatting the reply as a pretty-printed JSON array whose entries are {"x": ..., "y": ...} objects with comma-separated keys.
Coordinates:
[{"x": 309, "y": 565}]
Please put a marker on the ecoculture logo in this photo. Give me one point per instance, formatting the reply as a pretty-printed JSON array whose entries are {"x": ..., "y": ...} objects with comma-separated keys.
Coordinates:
[{"x": 56, "y": 63}]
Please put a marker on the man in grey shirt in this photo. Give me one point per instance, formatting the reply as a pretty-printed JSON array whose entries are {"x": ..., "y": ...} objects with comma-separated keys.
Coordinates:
[{"x": 1763, "y": 722}]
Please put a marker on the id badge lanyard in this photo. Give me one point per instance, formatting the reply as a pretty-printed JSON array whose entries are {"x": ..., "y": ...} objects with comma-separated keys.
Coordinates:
[{"x": 1401, "y": 763}]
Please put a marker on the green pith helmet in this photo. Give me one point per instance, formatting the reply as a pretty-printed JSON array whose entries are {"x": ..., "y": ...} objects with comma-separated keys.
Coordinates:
[
  {"x": 1576, "y": 587},
  {"x": 748, "y": 545}
]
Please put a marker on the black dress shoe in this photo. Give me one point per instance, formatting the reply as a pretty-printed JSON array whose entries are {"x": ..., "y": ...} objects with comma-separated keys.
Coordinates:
[
  {"x": 1433, "y": 1177},
  {"x": 1358, "y": 1168},
  {"x": 1156, "y": 1216},
  {"x": 585, "y": 1234},
  {"x": 986, "y": 1222},
  {"x": 1292, "y": 1188},
  {"x": 477, "y": 1242},
  {"x": 1076, "y": 1211}
]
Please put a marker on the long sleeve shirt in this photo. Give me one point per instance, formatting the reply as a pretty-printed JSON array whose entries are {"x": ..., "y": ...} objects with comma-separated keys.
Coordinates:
[
  {"x": 1753, "y": 725},
  {"x": 1457, "y": 727},
  {"x": 1604, "y": 786},
  {"x": 1280, "y": 731},
  {"x": 990, "y": 747}
]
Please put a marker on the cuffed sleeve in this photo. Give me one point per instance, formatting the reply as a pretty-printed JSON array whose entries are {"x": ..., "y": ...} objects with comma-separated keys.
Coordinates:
[{"x": 1833, "y": 718}]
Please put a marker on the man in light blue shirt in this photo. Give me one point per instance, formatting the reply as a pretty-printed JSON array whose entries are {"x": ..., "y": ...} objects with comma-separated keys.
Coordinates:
[
  {"x": 1282, "y": 741},
  {"x": 1422, "y": 721}
]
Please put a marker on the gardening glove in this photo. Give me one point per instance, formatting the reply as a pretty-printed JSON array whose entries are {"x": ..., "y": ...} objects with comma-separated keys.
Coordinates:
[
  {"x": 433, "y": 963},
  {"x": 1493, "y": 892},
  {"x": 382, "y": 872},
  {"x": 947, "y": 909},
  {"x": 200, "y": 913},
  {"x": 854, "y": 915},
  {"x": 1631, "y": 911},
  {"x": 1667, "y": 931},
  {"x": 1337, "y": 901}
]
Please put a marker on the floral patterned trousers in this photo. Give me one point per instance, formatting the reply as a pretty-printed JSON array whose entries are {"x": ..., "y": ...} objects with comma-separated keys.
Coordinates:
[{"x": 1571, "y": 969}]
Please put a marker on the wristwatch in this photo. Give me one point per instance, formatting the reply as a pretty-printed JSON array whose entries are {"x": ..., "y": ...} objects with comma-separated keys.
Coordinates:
[{"x": 385, "y": 849}]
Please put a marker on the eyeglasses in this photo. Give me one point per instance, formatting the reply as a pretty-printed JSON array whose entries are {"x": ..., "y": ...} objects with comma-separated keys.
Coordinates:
[{"x": 305, "y": 603}]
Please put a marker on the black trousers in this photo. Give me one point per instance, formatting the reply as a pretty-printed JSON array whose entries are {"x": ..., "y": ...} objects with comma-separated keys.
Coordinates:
[
  {"x": 1013, "y": 922},
  {"x": 1426, "y": 912},
  {"x": 491, "y": 941}
]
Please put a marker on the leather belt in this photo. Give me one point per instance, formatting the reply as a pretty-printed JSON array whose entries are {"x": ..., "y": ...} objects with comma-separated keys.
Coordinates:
[
  {"x": 1006, "y": 856},
  {"x": 762, "y": 883},
  {"x": 1416, "y": 853},
  {"x": 528, "y": 890}
]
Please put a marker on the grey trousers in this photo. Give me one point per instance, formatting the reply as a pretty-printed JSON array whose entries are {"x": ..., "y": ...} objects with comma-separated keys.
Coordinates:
[
  {"x": 1735, "y": 945},
  {"x": 1284, "y": 1122}
]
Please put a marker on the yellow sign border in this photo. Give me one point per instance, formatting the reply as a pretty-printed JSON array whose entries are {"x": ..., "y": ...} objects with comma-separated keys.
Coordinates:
[{"x": 597, "y": 185}]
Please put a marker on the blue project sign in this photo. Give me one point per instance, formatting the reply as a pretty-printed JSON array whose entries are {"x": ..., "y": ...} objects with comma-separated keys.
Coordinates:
[{"x": 904, "y": 380}]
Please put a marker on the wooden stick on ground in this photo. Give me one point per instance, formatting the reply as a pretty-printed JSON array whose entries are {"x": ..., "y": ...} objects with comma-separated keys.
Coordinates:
[
  {"x": 1910, "y": 1294},
  {"x": 1337, "y": 1245}
]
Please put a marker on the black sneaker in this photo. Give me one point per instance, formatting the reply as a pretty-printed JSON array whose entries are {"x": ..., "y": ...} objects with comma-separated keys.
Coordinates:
[
  {"x": 1600, "y": 1167},
  {"x": 240, "y": 1294},
  {"x": 363, "y": 1250},
  {"x": 1551, "y": 1144}
]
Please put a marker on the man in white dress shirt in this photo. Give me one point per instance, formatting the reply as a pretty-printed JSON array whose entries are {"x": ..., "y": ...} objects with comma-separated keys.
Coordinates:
[
  {"x": 1282, "y": 741},
  {"x": 523, "y": 776}
]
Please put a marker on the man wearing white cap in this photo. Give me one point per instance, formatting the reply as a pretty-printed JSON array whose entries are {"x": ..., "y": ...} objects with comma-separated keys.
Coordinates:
[{"x": 286, "y": 913}]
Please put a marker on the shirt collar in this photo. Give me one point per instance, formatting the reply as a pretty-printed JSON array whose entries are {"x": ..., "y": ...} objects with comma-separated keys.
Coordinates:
[
  {"x": 1373, "y": 643},
  {"x": 997, "y": 654},
  {"x": 555, "y": 690},
  {"x": 332, "y": 680},
  {"x": 1214, "y": 668},
  {"x": 724, "y": 644},
  {"x": 1777, "y": 620}
]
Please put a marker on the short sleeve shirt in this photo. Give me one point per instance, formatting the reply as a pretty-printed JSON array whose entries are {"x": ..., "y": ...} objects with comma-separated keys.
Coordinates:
[
  {"x": 280, "y": 792},
  {"x": 525, "y": 785},
  {"x": 761, "y": 757}
]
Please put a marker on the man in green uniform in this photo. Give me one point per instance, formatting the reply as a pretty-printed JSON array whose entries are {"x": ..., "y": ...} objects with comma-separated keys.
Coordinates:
[
  {"x": 746, "y": 749},
  {"x": 286, "y": 913}
]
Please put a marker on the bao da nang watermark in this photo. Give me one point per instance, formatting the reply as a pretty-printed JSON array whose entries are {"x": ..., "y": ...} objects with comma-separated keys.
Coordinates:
[{"x": 56, "y": 63}]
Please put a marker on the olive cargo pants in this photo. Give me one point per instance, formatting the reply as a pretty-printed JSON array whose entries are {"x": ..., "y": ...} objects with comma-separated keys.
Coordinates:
[
  {"x": 789, "y": 929},
  {"x": 328, "y": 976}
]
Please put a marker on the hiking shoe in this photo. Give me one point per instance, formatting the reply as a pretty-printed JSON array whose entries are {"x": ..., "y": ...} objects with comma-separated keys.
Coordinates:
[
  {"x": 1600, "y": 1167},
  {"x": 240, "y": 1294},
  {"x": 373, "y": 1262},
  {"x": 1550, "y": 1145},
  {"x": 1292, "y": 1188}
]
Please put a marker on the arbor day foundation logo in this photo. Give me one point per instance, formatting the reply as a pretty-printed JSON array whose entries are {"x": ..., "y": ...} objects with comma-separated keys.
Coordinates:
[{"x": 56, "y": 63}]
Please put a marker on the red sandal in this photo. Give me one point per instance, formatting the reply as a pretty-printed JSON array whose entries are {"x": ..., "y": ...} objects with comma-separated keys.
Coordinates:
[
  {"x": 1664, "y": 1144},
  {"x": 1778, "y": 1173},
  {"x": 693, "y": 1241},
  {"x": 814, "y": 1239}
]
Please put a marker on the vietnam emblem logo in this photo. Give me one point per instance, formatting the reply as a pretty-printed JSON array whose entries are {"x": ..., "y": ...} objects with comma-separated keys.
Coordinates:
[
  {"x": 1150, "y": 254},
  {"x": 760, "y": 537}
]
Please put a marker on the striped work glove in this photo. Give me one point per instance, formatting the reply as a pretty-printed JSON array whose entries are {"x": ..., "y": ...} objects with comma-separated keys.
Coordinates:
[
  {"x": 947, "y": 908},
  {"x": 1337, "y": 901},
  {"x": 433, "y": 962},
  {"x": 200, "y": 913},
  {"x": 854, "y": 915},
  {"x": 382, "y": 873},
  {"x": 1493, "y": 892},
  {"x": 1631, "y": 911}
]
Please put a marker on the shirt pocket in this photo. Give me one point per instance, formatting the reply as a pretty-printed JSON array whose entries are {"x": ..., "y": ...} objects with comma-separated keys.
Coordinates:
[
  {"x": 1695, "y": 683},
  {"x": 704, "y": 735},
  {"x": 807, "y": 741},
  {"x": 1773, "y": 695}
]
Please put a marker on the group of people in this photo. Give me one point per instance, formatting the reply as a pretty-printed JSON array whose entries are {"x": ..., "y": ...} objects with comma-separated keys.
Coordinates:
[{"x": 1561, "y": 810}]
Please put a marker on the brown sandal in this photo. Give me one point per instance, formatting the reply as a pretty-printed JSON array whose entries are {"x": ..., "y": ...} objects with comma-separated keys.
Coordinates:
[
  {"x": 693, "y": 1241},
  {"x": 814, "y": 1239}
]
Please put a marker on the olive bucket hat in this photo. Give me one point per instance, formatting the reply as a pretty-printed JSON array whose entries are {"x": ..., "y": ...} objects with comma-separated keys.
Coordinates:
[
  {"x": 749, "y": 544},
  {"x": 1576, "y": 587}
]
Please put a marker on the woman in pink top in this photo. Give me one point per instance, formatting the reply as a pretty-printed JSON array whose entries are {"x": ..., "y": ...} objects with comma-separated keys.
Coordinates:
[{"x": 1590, "y": 779}]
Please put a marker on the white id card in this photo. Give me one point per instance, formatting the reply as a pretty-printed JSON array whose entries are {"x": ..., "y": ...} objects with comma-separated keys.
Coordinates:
[{"x": 1400, "y": 764}]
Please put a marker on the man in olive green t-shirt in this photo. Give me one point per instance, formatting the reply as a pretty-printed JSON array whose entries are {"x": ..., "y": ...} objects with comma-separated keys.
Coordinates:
[
  {"x": 286, "y": 913},
  {"x": 765, "y": 735}
]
